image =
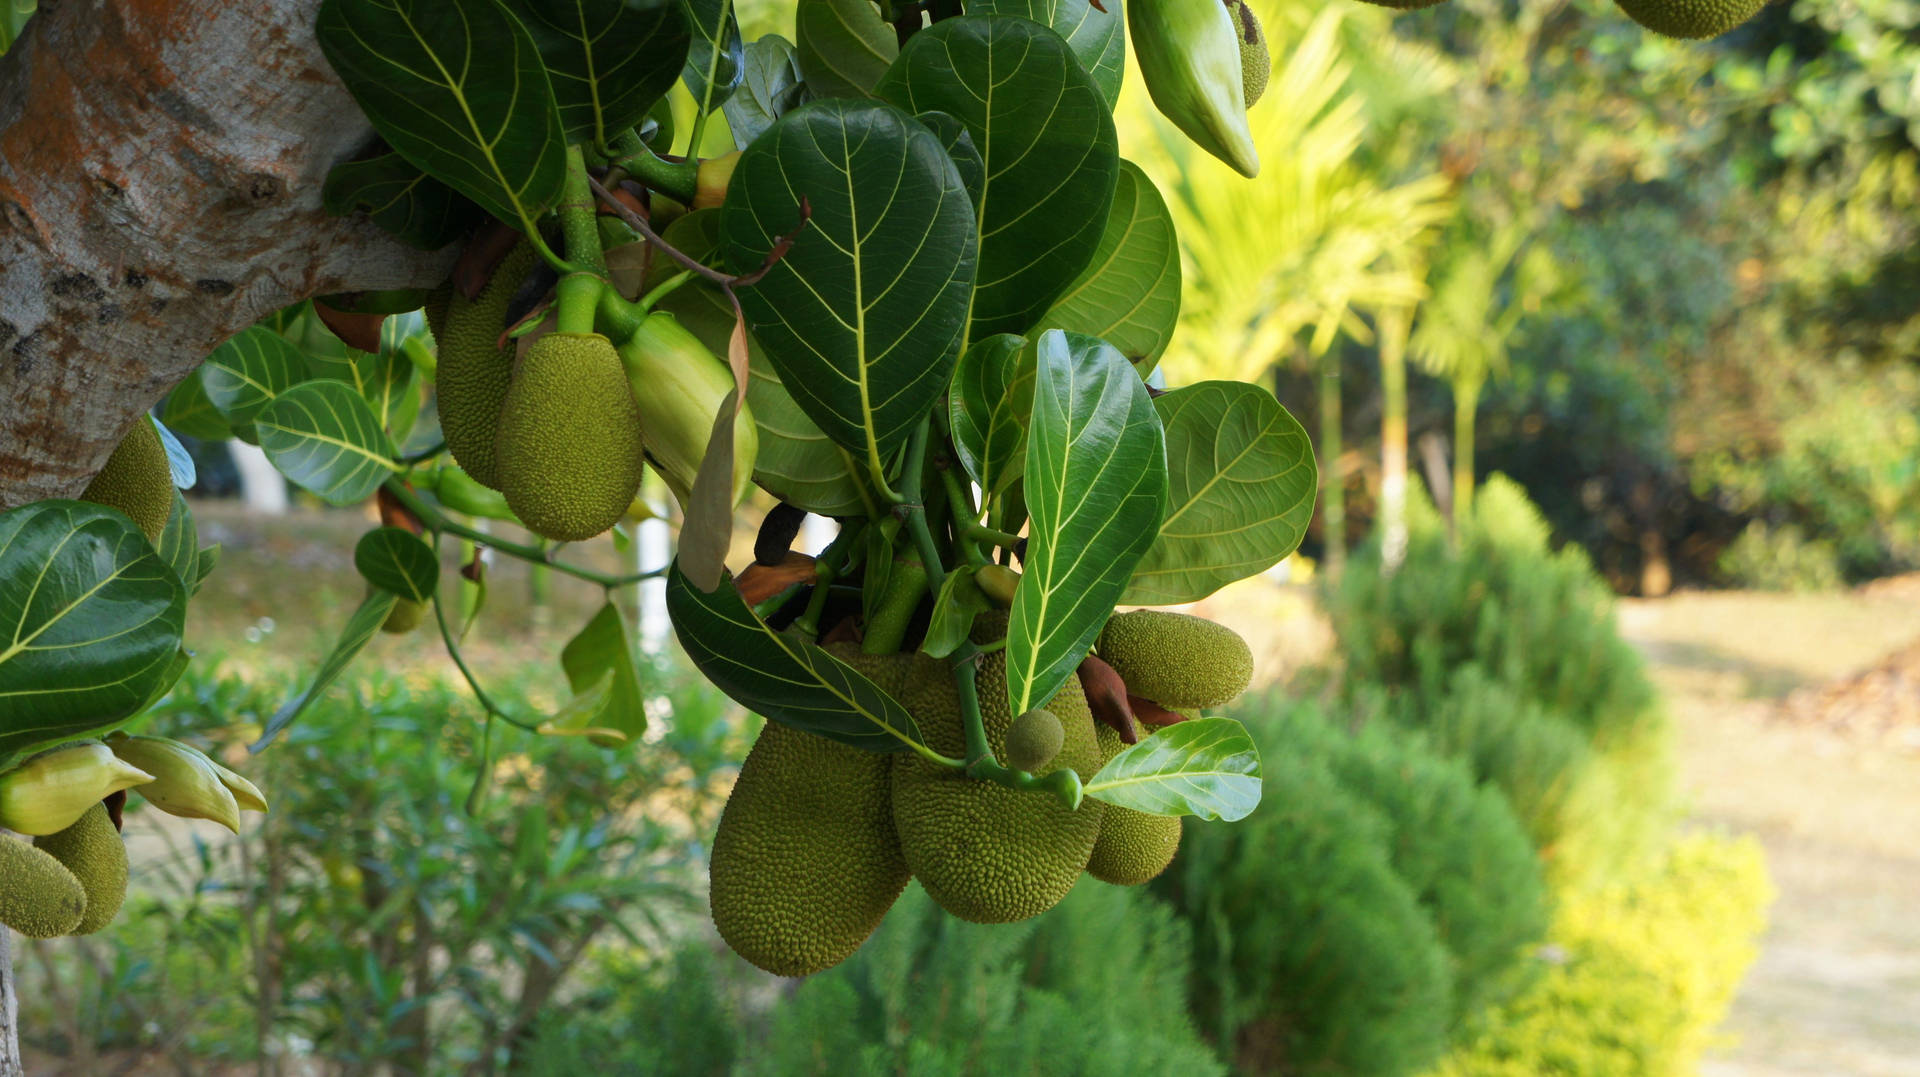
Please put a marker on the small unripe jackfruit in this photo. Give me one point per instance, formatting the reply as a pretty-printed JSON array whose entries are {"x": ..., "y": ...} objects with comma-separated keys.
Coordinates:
[
  {"x": 1034, "y": 740},
  {"x": 51, "y": 791},
  {"x": 1255, "y": 64},
  {"x": 805, "y": 863},
  {"x": 1694, "y": 19},
  {"x": 985, "y": 852},
  {"x": 405, "y": 616},
  {"x": 39, "y": 897},
  {"x": 1175, "y": 659},
  {"x": 136, "y": 480},
  {"x": 472, "y": 375},
  {"x": 92, "y": 850},
  {"x": 1134, "y": 846},
  {"x": 569, "y": 448}
]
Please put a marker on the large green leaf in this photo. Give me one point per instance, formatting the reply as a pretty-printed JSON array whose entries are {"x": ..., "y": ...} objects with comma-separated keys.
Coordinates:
[
  {"x": 397, "y": 560},
  {"x": 324, "y": 437},
  {"x": 90, "y": 622},
  {"x": 797, "y": 462},
  {"x": 608, "y": 61},
  {"x": 769, "y": 89},
  {"x": 1098, "y": 38},
  {"x": 716, "y": 60},
  {"x": 844, "y": 46},
  {"x": 602, "y": 652},
  {"x": 366, "y": 620},
  {"x": 1241, "y": 481},
  {"x": 456, "y": 87},
  {"x": 179, "y": 544},
  {"x": 989, "y": 407},
  {"x": 863, "y": 316},
  {"x": 188, "y": 411},
  {"x": 1096, "y": 490},
  {"x": 783, "y": 677},
  {"x": 1048, "y": 142},
  {"x": 247, "y": 373},
  {"x": 1129, "y": 295},
  {"x": 966, "y": 156},
  {"x": 1207, "y": 767},
  {"x": 418, "y": 209}
]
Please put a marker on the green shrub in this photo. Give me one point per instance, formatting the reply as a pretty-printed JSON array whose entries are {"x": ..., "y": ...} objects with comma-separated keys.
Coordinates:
[
  {"x": 1638, "y": 975},
  {"x": 1781, "y": 559}
]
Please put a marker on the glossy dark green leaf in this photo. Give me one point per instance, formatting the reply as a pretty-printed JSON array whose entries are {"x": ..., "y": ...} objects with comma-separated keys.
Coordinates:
[
  {"x": 90, "y": 622},
  {"x": 1241, "y": 481},
  {"x": 1129, "y": 295},
  {"x": 1098, "y": 38},
  {"x": 608, "y": 61},
  {"x": 603, "y": 653},
  {"x": 863, "y": 316},
  {"x": 960, "y": 600},
  {"x": 179, "y": 544},
  {"x": 989, "y": 407},
  {"x": 366, "y": 620},
  {"x": 456, "y": 87},
  {"x": 769, "y": 89},
  {"x": 419, "y": 210},
  {"x": 716, "y": 57},
  {"x": 1049, "y": 146},
  {"x": 247, "y": 373},
  {"x": 783, "y": 677},
  {"x": 189, "y": 412},
  {"x": 204, "y": 565},
  {"x": 1096, "y": 489},
  {"x": 323, "y": 436},
  {"x": 1205, "y": 767},
  {"x": 966, "y": 156},
  {"x": 844, "y": 46},
  {"x": 397, "y": 560}
]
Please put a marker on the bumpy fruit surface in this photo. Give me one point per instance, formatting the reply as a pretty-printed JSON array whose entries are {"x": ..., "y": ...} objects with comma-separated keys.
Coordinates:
[
  {"x": 39, "y": 897},
  {"x": 92, "y": 850},
  {"x": 1189, "y": 52},
  {"x": 985, "y": 852},
  {"x": 1255, "y": 64},
  {"x": 805, "y": 863},
  {"x": 678, "y": 386},
  {"x": 569, "y": 445},
  {"x": 1034, "y": 739},
  {"x": 1175, "y": 659},
  {"x": 472, "y": 375},
  {"x": 1134, "y": 846},
  {"x": 51, "y": 791},
  {"x": 1693, "y": 19},
  {"x": 185, "y": 782},
  {"x": 136, "y": 480}
]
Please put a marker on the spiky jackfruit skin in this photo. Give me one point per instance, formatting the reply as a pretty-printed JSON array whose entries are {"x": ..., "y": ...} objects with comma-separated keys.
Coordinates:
[
  {"x": 136, "y": 480},
  {"x": 569, "y": 449},
  {"x": 1175, "y": 659},
  {"x": 1255, "y": 64},
  {"x": 985, "y": 852},
  {"x": 1034, "y": 739},
  {"x": 1692, "y": 19},
  {"x": 92, "y": 850},
  {"x": 471, "y": 374},
  {"x": 1133, "y": 846},
  {"x": 805, "y": 863},
  {"x": 39, "y": 897}
]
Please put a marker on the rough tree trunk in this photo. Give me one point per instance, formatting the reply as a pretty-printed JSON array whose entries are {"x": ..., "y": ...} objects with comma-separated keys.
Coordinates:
[{"x": 160, "y": 172}]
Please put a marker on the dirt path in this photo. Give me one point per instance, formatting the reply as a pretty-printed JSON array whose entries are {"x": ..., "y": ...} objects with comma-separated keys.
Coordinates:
[{"x": 1836, "y": 991}]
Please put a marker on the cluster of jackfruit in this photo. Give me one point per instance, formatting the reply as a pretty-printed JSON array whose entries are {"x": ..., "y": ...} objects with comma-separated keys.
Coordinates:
[
  {"x": 70, "y": 882},
  {"x": 818, "y": 839}
]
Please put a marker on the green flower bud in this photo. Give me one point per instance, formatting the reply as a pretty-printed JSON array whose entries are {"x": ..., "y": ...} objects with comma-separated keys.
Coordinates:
[
  {"x": 1189, "y": 54},
  {"x": 185, "y": 782},
  {"x": 51, "y": 791},
  {"x": 678, "y": 385}
]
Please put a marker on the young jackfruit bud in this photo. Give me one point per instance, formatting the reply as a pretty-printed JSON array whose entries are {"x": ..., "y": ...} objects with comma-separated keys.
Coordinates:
[
  {"x": 1189, "y": 54},
  {"x": 92, "y": 850},
  {"x": 710, "y": 182},
  {"x": 1255, "y": 64},
  {"x": 136, "y": 480},
  {"x": 39, "y": 897},
  {"x": 678, "y": 385},
  {"x": 569, "y": 448},
  {"x": 184, "y": 784},
  {"x": 405, "y": 616},
  {"x": 50, "y": 792},
  {"x": 998, "y": 582},
  {"x": 1034, "y": 739}
]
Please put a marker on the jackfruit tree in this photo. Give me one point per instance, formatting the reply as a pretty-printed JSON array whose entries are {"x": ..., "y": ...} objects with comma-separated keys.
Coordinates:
[{"x": 878, "y": 275}]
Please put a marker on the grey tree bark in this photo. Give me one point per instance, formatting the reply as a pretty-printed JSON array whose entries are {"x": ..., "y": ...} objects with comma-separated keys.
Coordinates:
[{"x": 161, "y": 163}]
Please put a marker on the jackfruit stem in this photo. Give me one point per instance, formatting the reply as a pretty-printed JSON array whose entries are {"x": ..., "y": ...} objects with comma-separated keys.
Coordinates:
[
  {"x": 980, "y": 763},
  {"x": 435, "y": 521},
  {"x": 676, "y": 179},
  {"x": 578, "y": 293}
]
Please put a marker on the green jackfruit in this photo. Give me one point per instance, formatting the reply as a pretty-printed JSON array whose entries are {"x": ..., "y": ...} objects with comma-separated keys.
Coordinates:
[
  {"x": 136, "y": 480},
  {"x": 92, "y": 850},
  {"x": 1175, "y": 659},
  {"x": 1255, "y": 64},
  {"x": 569, "y": 449},
  {"x": 1134, "y": 846},
  {"x": 985, "y": 852},
  {"x": 39, "y": 897},
  {"x": 405, "y": 616},
  {"x": 805, "y": 863},
  {"x": 472, "y": 374},
  {"x": 1694, "y": 19},
  {"x": 1034, "y": 740}
]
